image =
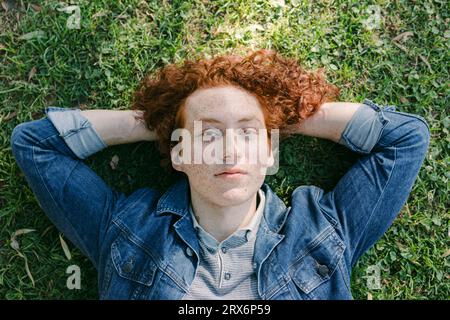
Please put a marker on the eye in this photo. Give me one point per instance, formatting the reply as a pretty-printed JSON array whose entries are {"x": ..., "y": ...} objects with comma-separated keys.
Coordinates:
[
  {"x": 212, "y": 133},
  {"x": 249, "y": 131}
]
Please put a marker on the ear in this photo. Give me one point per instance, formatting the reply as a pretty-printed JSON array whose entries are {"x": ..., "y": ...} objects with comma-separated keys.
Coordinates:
[
  {"x": 176, "y": 158},
  {"x": 271, "y": 159},
  {"x": 267, "y": 156},
  {"x": 268, "y": 165}
]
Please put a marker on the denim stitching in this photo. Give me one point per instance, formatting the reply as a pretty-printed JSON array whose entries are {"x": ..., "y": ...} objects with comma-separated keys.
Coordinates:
[
  {"x": 376, "y": 205},
  {"x": 57, "y": 206},
  {"x": 158, "y": 261},
  {"x": 333, "y": 221}
]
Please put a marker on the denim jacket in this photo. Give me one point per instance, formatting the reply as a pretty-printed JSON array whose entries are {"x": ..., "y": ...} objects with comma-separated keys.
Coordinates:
[{"x": 144, "y": 245}]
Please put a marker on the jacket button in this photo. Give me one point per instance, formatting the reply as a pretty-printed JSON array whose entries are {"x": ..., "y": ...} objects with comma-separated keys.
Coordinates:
[
  {"x": 128, "y": 266},
  {"x": 323, "y": 270},
  {"x": 189, "y": 252}
]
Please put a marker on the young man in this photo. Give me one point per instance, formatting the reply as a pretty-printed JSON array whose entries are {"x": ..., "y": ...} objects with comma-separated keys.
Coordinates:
[{"x": 221, "y": 232}]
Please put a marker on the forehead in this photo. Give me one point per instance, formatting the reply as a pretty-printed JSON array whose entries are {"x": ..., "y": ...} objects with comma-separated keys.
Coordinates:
[{"x": 227, "y": 103}]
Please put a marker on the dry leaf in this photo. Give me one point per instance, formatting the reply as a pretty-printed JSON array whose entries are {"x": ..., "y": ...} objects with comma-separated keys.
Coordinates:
[
  {"x": 46, "y": 230},
  {"x": 36, "y": 115},
  {"x": 20, "y": 232},
  {"x": 446, "y": 254},
  {"x": 99, "y": 14},
  {"x": 277, "y": 3},
  {"x": 31, "y": 73},
  {"x": 255, "y": 27},
  {"x": 404, "y": 100},
  {"x": 65, "y": 248},
  {"x": 114, "y": 162},
  {"x": 33, "y": 35},
  {"x": 398, "y": 45},
  {"x": 15, "y": 246},
  {"x": 8, "y": 5},
  {"x": 424, "y": 60},
  {"x": 27, "y": 269},
  {"x": 369, "y": 296},
  {"x": 10, "y": 116},
  {"x": 403, "y": 36},
  {"x": 36, "y": 7},
  {"x": 400, "y": 245}
]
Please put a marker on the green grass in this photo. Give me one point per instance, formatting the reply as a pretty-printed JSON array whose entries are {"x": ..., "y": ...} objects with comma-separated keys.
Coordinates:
[{"x": 100, "y": 64}]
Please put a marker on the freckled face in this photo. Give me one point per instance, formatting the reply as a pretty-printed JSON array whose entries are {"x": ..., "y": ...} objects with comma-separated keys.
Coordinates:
[{"x": 226, "y": 113}]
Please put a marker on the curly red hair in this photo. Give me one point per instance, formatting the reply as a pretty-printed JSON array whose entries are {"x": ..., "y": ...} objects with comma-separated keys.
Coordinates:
[{"x": 285, "y": 91}]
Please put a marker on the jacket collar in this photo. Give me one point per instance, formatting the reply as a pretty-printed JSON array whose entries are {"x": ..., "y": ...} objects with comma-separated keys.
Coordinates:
[{"x": 176, "y": 199}]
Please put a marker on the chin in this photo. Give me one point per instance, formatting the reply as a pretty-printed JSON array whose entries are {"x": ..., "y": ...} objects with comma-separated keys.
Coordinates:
[{"x": 233, "y": 195}]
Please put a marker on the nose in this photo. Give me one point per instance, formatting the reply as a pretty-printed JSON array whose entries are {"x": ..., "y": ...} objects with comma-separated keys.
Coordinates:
[{"x": 234, "y": 147}]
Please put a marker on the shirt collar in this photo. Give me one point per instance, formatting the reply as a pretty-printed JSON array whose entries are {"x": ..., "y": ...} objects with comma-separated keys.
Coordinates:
[{"x": 247, "y": 232}]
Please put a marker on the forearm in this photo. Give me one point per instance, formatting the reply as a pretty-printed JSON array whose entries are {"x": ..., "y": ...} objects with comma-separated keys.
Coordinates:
[
  {"x": 118, "y": 126},
  {"x": 328, "y": 122}
]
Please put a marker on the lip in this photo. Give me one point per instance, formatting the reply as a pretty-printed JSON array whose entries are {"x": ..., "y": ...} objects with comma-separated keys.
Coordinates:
[
  {"x": 231, "y": 173},
  {"x": 231, "y": 176}
]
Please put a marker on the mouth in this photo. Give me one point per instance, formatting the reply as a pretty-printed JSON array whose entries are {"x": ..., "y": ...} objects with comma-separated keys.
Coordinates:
[{"x": 231, "y": 173}]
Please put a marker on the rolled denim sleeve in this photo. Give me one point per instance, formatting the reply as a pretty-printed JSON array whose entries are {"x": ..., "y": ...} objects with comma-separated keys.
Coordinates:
[
  {"x": 365, "y": 128},
  {"x": 76, "y": 130}
]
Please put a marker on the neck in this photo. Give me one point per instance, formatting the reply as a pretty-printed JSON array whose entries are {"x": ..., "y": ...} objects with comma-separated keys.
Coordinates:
[{"x": 222, "y": 221}]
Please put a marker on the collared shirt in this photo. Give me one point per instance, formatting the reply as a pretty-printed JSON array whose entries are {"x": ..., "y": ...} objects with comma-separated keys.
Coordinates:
[{"x": 227, "y": 269}]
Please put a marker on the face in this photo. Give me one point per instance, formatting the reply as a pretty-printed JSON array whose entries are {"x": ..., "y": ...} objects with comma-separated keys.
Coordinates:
[{"x": 225, "y": 123}]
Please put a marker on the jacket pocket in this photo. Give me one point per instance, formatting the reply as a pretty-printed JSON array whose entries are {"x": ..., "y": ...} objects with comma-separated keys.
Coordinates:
[
  {"x": 318, "y": 264},
  {"x": 131, "y": 272},
  {"x": 132, "y": 262}
]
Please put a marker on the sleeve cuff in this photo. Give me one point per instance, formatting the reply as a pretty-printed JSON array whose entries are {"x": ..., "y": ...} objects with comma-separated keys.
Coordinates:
[
  {"x": 364, "y": 130},
  {"x": 76, "y": 130}
]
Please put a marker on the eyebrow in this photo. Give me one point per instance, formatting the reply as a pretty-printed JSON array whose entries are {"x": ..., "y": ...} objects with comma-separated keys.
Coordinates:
[{"x": 212, "y": 120}]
